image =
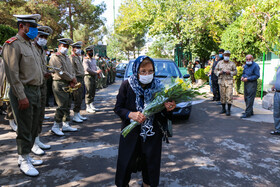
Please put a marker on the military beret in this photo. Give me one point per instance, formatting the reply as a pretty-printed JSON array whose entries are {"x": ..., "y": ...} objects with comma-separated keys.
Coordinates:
[
  {"x": 45, "y": 30},
  {"x": 65, "y": 41},
  {"x": 77, "y": 44}
]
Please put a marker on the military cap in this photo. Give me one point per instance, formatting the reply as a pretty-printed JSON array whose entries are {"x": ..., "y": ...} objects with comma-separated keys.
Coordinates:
[
  {"x": 213, "y": 53},
  {"x": 77, "y": 44},
  {"x": 89, "y": 48},
  {"x": 32, "y": 18},
  {"x": 65, "y": 41},
  {"x": 227, "y": 52},
  {"x": 45, "y": 30}
]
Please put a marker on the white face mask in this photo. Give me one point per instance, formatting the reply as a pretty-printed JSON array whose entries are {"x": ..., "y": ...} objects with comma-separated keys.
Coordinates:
[
  {"x": 63, "y": 50},
  {"x": 226, "y": 58},
  {"x": 146, "y": 79},
  {"x": 78, "y": 51},
  {"x": 42, "y": 42},
  {"x": 249, "y": 62}
]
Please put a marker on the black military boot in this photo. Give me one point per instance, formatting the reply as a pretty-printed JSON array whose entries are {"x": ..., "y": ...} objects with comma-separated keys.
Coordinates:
[
  {"x": 223, "y": 109},
  {"x": 228, "y": 110}
]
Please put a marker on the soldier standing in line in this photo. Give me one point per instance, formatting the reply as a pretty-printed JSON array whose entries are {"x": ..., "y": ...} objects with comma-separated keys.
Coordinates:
[
  {"x": 225, "y": 70},
  {"x": 99, "y": 76},
  {"x": 40, "y": 43},
  {"x": 9, "y": 115},
  {"x": 24, "y": 73},
  {"x": 104, "y": 68},
  {"x": 62, "y": 79},
  {"x": 77, "y": 64},
  {"x": 91, "y": 73},
  {"x": 113, "y": 70}
]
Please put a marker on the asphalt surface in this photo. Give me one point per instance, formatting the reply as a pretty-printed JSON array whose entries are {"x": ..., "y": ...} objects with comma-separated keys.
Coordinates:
[{"x": 209, "y": 149}]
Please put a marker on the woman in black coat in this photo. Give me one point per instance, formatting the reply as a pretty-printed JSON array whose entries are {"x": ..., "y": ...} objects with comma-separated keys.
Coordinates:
[{"x": 140, "y": 150}]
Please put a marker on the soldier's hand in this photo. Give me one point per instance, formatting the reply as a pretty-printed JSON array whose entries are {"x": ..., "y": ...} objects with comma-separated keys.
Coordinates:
[
  {"x": 74, "y": 80},
  {"x": 23, "y": 104},
  {"x": 245, "y": 80},
  {"x": 137, "y": 116},
  {"x": 99, "y": 71},
  {"x": 72, "y": 84},
  {"x": 47, "y": 75}
]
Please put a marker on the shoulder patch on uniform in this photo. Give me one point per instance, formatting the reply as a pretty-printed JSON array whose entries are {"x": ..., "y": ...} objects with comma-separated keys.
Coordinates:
[{"x": 11, "y": 40}]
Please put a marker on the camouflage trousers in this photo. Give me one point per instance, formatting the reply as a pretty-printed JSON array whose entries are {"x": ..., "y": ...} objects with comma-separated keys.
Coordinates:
[{"x": 226, "y": 93}]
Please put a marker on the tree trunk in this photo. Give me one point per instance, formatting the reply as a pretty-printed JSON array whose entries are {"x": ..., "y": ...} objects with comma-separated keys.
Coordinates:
[{"x": 70, "y": 20}]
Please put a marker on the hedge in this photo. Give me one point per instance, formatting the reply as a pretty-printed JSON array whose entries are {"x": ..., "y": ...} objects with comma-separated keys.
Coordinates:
[
  {"x": 259, "y": 88},
  {"x": 6, "y": 32},
  {"x": 199, "y": 74}
]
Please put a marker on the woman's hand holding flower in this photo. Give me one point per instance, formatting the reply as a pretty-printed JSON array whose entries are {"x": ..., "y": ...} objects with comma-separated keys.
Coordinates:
[
  {"x": 170, "y": 106},
  {"x": 137, "y": 116}
]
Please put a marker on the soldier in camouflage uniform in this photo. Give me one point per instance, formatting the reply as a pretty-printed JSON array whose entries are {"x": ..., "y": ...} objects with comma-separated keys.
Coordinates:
[{"x": 225, "y": 70}]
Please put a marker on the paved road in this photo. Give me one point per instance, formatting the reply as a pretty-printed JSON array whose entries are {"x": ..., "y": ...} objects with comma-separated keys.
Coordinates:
[{"x": 207, "y": 150}]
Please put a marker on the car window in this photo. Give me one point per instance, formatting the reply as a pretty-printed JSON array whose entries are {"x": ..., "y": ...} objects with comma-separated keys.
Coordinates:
[{"x": 162, "y": 69}]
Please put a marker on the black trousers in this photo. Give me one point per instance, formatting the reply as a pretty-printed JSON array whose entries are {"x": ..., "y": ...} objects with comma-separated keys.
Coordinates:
[
  {"x": 216, "y": 90},
  {"x": 250, "y": 89}
]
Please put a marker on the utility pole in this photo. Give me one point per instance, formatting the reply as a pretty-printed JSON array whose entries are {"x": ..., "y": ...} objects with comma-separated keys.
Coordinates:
[{"x": 114, "y": 13}]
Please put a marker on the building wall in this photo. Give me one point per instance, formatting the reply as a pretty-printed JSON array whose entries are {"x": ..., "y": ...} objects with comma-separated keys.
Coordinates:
[{"x": 270, "y": 66}]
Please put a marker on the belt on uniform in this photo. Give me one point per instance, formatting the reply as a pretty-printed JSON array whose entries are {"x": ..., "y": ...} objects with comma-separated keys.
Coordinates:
[
  {"x": 31, "y": 86},
  {"x": 277, "y": 90}
]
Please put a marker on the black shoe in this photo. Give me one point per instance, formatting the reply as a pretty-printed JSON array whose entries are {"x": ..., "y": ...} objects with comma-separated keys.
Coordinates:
[
  {"x": 275, "y": 132},
  {"x": 245, "y": 116}
]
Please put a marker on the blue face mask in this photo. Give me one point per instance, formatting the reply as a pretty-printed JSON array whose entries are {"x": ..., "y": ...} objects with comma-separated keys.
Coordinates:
[
  {"x": 221, "y": 55},
  {"x": 213, "y": 57},
  {"x": 32, "y": 33}
]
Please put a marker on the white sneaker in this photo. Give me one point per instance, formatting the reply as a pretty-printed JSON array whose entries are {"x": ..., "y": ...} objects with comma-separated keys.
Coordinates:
[
  {"x": 26, "y": 166},
  {"x": 90, "y": 110},
  {"x": 66, "y": 127},
  {"x": 93, "y": 108},
  {"x": 76, "y": 118},
  {"x": 13, "y": 125},
  {"x": 37, "y": 150},
  {"x": 41, "y": 144},
  {"x": 33, "y": 162},
  {"x": 82, "y": 117},
  {"x": 55, "y": 129}
]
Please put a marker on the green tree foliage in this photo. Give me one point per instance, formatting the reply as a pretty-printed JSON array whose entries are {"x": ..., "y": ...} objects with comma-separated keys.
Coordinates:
[
  {"x": 6, "y": 32},
  {"x": 63, "y": 16}
]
